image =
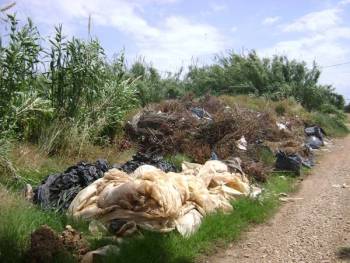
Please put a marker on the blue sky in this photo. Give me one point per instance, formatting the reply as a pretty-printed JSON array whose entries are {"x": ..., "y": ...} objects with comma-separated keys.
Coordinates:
[{"x": 175, "y": 33}]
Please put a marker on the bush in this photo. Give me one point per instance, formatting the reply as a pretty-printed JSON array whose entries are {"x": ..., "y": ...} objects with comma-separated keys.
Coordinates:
[
  {"x": 276, "y": 78},
  {"x": 280, "y": 110},
  {"x": 332, "y": 124}
]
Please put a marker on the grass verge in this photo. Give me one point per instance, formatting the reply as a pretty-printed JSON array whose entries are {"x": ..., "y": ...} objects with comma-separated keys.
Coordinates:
[
  {"x": 216, "y": 230},
  {"x": 19, "y": 218}
]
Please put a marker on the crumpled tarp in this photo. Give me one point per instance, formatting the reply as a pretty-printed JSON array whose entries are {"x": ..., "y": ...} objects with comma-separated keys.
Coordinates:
[
  {"x": 58, "y": 190},
  {"x": 161, "y": 201}
]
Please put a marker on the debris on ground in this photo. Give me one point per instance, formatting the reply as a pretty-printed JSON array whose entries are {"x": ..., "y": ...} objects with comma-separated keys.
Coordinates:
[
  {"x": 74, "y": 242},
  {"x": 45, "y": 245},
  {"x": 28, "y": 193},
  {"x": 58, "y": 190},
  {"x": 140, "y": 159},
  {"x": 100, "y": 253},
  {"x": 289, "y": 162},
  {"x": 160, "y": 201},
  {"x": 97, "y": 229},
  {"x": 314, "y": 142},
  {"x": 290, "y": 199},
  {"x": 199, "y": 128},
  {"x": 314, "y": 137}
]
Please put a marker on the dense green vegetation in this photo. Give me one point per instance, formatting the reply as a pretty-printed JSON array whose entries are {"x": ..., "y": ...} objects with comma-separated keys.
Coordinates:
[{"x": 64, "y": 94}]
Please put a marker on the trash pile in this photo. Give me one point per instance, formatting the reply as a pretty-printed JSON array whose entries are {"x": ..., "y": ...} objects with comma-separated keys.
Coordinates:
[
  {"x": 148, "y": 192},
  {"x": 151, "y": 199},
  {"x": 205, "y": 128},
  {"x": 58, "y": 190}
]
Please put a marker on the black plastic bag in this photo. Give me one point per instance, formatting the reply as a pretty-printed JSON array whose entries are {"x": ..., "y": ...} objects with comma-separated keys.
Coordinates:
[
  {"x": 144, "y": 158},
  {"x": 315, "y": 131},
  {"x": 289, "y": 162},
  {"x": 57, "y": 191},
  {"x": 314, "y": 142}
]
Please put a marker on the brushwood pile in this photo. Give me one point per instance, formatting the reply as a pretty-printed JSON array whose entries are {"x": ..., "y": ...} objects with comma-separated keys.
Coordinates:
[{"x": 203, "y": 128}]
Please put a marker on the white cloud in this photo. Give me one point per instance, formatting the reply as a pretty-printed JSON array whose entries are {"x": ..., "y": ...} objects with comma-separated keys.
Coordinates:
[
  {"x": 315, "y": 21},
  {"x": 324, "y": 40},
  {"x": 271, "y": 20},
  {"x": 344, "y": 2},
  {"x": 180, "y": 41},
  {"x": 167, "y": 43}
]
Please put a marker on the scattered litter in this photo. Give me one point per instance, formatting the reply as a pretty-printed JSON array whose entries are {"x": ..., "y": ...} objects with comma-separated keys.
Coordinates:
[
  {"x": 214, "y": 156},
  {"x": 74, "y": 242},
  {"x": 28, "y": 192},
  {"x": 315, "y": 131},
  {"x": 196, "y": 128},
  {"x": 290, "y": 199},
  {"x": 58, "y": 190},
  {"x": 281, "y": 126},
  {"x": 160, "y": 201},
  {"x": 255, "y": 192},
  {"x": 200, "y": 113},
  {"x": 314, "y": 142},
  {"x": 289, "y": 162},
  {"x": 98, "y": 254},
  {"x": 96, "y": 228},
  {"x": 242, "y": 144},
  {"x": 234, "y": 164}
]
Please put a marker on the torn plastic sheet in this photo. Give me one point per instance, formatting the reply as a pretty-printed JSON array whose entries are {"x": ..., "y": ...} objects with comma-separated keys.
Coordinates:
[{"x": 160, "y": 201}]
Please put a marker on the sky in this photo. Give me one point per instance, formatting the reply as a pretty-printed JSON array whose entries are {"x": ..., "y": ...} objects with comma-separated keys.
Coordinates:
[{"x": 175, "y": 33}]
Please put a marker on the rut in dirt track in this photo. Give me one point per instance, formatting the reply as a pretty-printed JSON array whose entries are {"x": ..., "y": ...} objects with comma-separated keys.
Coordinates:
[{"x": 312, "y": 229}]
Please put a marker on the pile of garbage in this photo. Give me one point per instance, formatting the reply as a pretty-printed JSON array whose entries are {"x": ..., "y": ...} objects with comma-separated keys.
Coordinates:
[
  {"x": 203, "y": 130},
  {"x": 58, "y": 190},
  {"x": 207, "y": 127},
  {"x": 151, "y": 199}
]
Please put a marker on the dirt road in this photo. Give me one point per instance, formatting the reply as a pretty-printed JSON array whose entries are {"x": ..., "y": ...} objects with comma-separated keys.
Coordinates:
[{"x": 308, "y": 230}]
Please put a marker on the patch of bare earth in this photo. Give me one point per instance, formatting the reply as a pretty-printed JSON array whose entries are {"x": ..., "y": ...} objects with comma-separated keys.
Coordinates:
[{"x": 313, "y": 228}]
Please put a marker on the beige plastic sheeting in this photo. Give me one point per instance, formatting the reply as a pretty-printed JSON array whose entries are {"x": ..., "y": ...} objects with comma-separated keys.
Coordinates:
[{"x": 161, "y": 201}]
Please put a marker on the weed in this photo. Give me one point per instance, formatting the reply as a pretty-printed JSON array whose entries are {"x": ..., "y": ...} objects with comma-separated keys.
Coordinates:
[
  {"x": 332, "y": 125},
  {"x": 344, "y": 253}
]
